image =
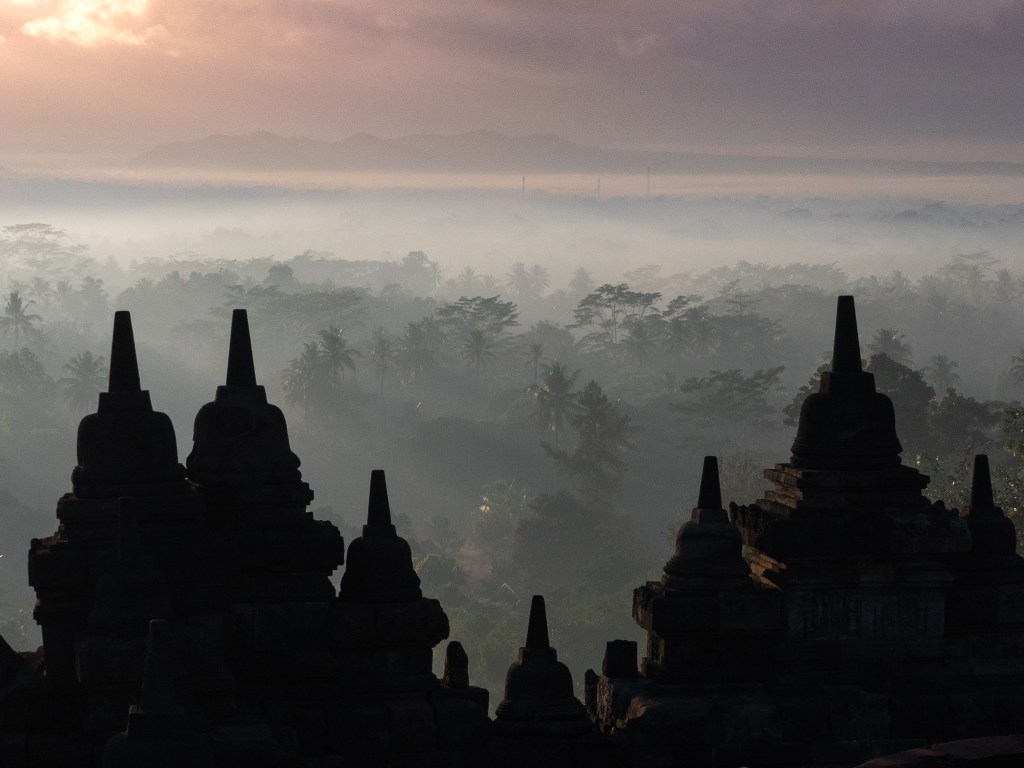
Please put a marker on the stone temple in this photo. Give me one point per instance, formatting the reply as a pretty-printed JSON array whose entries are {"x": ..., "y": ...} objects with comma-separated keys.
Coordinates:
[{"x": 189, "y": 616}]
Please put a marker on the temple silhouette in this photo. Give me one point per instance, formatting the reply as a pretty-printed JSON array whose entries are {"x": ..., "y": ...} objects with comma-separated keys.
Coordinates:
[{"x": 189, "y": 617}]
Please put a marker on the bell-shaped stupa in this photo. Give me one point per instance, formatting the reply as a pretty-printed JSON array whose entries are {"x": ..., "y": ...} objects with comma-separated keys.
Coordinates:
[{"x": 126, "y": 448}]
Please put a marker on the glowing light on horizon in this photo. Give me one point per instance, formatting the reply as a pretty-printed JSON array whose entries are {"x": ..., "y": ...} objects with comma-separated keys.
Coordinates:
[{"x": 89, "y": 22}]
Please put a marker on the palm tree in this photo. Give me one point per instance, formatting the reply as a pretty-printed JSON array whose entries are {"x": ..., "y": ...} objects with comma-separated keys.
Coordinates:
[
  {"x": 889, "y": 342},
  {"x": 86, "y": 376},
  {"x": 382, "y": 351},
  {"x": 539, "y": 279},
  {"x": 1006, "y": 288},
  {"x": 16, "y": 316},
  {"x": 677, "y": 336},
  {"x": 336, "y": 353},
  {"x": 1017, "y": 366},
  {"x": 555, "y": 399},
  {"x": 702, "y": 331},
  {"x": 534, "y": 355},
  {"x": 941, "y": 374},
  {"x": 639, "y": 341},
  {"x": 434, "y": 275},
  {"x": 519, "y": 281},
  {"x": 306, "y": 381},
  {"x": 42, "y": 290},
  {"x": 478, "y": 349},
  {"x": 419, "y": 348}
]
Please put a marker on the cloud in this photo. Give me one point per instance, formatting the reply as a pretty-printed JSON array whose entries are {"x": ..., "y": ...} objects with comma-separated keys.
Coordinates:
[
  {"x": 699, "y": 74},
  {"x": 90, "y": 22}
]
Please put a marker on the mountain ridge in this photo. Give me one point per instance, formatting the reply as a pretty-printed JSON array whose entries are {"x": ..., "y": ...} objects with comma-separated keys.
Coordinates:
[{"x": 487, "y": 151}]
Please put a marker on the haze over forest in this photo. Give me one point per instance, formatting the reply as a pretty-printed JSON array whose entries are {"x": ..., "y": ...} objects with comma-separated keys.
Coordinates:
[{"x": 447, "y": 216}]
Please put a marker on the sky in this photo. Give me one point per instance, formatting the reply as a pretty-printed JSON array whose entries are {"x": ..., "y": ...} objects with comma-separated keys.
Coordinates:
[{"x": 911, "y": 79}]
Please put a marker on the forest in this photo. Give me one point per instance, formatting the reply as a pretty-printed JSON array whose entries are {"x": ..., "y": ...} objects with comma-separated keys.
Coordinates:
[{"x": 538, "y": 437}]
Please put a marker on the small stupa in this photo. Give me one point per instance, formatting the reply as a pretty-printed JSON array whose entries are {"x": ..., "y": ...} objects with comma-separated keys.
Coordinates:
[
  {"x": 845, "y": 492},
  {"x": 539, "y": 699},
  {"x": 126, "y": 448},
  {"x": 704, "y": 613},
  {"x": 379, "y": 566},
  {"x": 993, "y": 534},
  {"x": 240, "y": 438}
]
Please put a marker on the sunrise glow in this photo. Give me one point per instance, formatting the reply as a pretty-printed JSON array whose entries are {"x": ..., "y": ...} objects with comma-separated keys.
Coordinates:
[{"x": 88, "y": 22}]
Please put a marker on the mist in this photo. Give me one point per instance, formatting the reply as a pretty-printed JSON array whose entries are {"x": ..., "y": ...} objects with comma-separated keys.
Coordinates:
[
  {"x": 492, "y": 499},
  {"x": 608, "y": 223}
]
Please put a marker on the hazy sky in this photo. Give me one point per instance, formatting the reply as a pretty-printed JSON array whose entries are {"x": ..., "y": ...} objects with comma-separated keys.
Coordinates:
[{"x": 906, "y": 78}]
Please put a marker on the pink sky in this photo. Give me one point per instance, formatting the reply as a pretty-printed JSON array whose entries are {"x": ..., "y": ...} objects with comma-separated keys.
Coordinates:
[{"x": 937, "y": 79}]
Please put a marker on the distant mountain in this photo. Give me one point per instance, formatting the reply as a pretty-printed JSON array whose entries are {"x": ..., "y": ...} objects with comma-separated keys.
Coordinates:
[
  {"x": 492, "y": 152},
  {"x": 480, "y": 151}
]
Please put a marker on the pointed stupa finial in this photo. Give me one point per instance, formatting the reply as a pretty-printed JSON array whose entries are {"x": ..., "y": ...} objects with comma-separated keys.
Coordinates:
[
  {"x": 157, "y": 681},
  {"x": 846, "y": 346},
  {"x": 981, "y": 484},
  {"x": 710, "y": 496},
  {"x": 538, "y": 688},
  {"x": 537, "y": 630},
  {"x": 379, "y": 567},
  {"x": 124, "y": 365},
  {"x": 378, "y": 513},
  {"x": 241, "y": 370}
]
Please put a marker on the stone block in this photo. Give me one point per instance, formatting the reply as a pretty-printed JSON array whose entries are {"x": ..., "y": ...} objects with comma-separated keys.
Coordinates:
[
  {"x": 613, "y": 697},
  {"x": 14, "y": 750},
  {"x": 411, "y": 724},
  {"x": 619, "y": 659},
  {"x": 405, "y": 669},
  {"x": 352, "y": 625},
  {"x": 675, "y": 719},
  {"x": 292, "y": 627},
  {"x": 853, "y": 752},
  {"x": 421, "y": 623},
  {"x": 972, "y": 607},
  {"x": 252, "y": 745},
  {"x": 305, "y": 719},
  {"x": 1011, "y": 604},
  {"x": 106, "y": 711},
  {"x": 110, "y": 660},
  {"x": 357, "y": 725},
  {"x": 240, "y": 627},
  {"x": 803, "y": 717},
  {"x": 461, "y": 723},
  {"x": 757, "y": 609},
  {"x": 749, "y": 719},
  {"x": 986, "y": 750},
  {"x": 759, "y": 754},
  {"x": 675, "y": 614},
  {"x": 857, "y": 715},
  {"x": 356, "y": 668}
]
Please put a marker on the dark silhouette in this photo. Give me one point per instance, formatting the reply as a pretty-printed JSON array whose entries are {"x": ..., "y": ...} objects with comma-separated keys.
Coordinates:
[{"x": 189, "y": 615}]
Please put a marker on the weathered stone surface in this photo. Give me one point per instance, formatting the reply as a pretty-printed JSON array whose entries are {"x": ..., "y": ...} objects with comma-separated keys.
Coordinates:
[
  {"x": 675, "y": 718},
  {"x": 462, "y": 722}
]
